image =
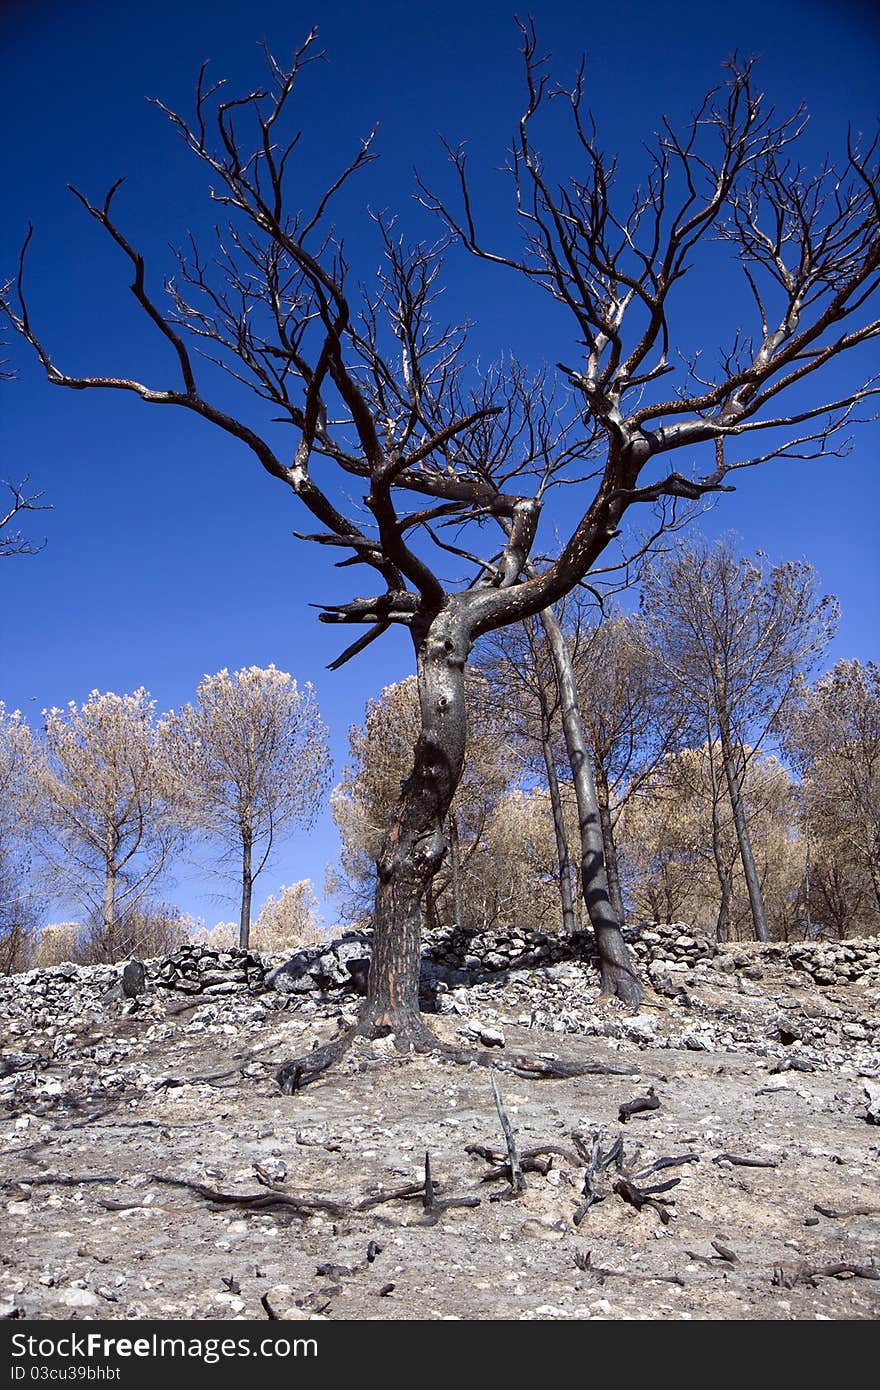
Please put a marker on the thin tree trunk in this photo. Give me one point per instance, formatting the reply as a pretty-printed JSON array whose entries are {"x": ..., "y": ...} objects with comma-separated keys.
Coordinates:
[
  {"x": 722, "y": 869},
  {"x": 455, "y": 871},
  {"x": 618, "y": 975},
  {"x": 743, "y": 839},
  {"x": 108, "y": 913},
  {"x": 566, "y": 897},
  {"x": 247, "y": 889},
  {"x": 415, "y": 844},
  {"x": 612, "y": 868},
  {"x": 808, "y": 895}
]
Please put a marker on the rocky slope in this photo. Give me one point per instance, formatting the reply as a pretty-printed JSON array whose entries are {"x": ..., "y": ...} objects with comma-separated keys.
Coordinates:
[{"x": 125, "y": 1119}]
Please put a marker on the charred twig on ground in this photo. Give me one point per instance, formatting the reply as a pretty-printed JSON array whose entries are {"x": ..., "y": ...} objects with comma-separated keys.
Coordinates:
[
  {"x": 638, "y": 1105},
  {"x": 584, "y": 1262},
  {"x": 268, "y": 1309},
  {"x": 660, "y": 1163},
  {"x": 745, "y": 1161},
  {"x": 844, "y": 1214},
  {"x": 256, "y": 1201},
  {"x": 428, "y": 1196},
  {"x": 531, "y": 1160},
  {"x": 596, "y": 1162},
  {"x": 639, "y": 1197},
  {"x": 426, "y": 1191}
]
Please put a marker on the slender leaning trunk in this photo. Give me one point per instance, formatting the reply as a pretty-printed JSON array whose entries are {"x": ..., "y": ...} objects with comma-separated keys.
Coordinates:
[
  {"x": 563, "y": 856},
  {"x": 743, "y": 838},
  {"x": 416, "y": 844},
  {"x": 247, "y": 888},
  {"x": 618, "y": 975}
]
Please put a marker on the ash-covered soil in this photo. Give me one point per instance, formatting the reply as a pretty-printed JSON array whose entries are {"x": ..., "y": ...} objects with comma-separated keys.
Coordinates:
[{"x": 101, "y": 1099}]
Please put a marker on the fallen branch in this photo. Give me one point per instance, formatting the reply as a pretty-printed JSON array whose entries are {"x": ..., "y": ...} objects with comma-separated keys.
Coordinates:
[
  {"x": 257, "y": 1201},
  {"x": 585, "y": 1263},
  {"x": 808, "y": 1274},
  {"x": 845, "y": 1214},
  {"x": 637, "y": 1106},
  {"x": 659, "y": 1164},
  {"x": 745, "y": 1161}
]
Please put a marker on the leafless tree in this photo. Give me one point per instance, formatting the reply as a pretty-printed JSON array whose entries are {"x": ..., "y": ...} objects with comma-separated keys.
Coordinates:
[{"x": 379, "y": 394}]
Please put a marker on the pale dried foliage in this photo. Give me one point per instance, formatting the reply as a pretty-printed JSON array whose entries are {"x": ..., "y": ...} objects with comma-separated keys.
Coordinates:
[
  {"x": 288, "y": 920},
  {"x": 57, "y": 942},
  {"x": 17, "y": 812},
  {"x": 250, "y": 758},
  {"x": 106, "y": 807},
  {"x": 223, "y": 936},
  {"x": 512, "y": 880},
  {"x": 833, "y": 738},
  {"x": 666, "y": 843}
]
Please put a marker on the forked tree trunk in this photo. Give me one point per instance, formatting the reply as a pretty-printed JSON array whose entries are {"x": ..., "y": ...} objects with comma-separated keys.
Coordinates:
[
  {"x": 415, "y": 844},
  {"x": 247, "y": 889},
  {"x": 618, "y": 975},
  {"x": 563, "y": 857},
  {"x": 743, "y": 838}
]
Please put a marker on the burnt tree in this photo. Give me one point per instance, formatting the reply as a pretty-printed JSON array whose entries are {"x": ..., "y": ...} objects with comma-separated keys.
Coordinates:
[{"x": 378, "y": 394}]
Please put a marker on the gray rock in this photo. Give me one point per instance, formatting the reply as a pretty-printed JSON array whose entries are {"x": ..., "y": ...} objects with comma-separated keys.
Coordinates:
[{"x": 134, "y": 979}]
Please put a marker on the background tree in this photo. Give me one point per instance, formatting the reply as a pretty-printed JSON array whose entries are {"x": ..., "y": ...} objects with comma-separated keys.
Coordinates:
[
  {"x": 288, "y": 919},
  {"x": 521, "y": 682},
  {"x": 388, "y": 397},
  {"x": 629, "y": 720},
  {"x": 18, "y": 913},
  {"x": 681, "y": 853},
  {"x": 832, "y": 735},
  {"x": 733, "y": 636},
  {"x": 107, "y": 826},
  {"x": 251, "y": 759}
]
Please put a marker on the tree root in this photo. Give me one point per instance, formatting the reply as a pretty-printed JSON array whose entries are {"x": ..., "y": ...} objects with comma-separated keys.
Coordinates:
[{"x": 416, "y": 1037}]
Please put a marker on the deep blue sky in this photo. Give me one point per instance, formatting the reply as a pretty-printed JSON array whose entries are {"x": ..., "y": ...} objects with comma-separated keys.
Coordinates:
[{"x": 168, "y": 553}]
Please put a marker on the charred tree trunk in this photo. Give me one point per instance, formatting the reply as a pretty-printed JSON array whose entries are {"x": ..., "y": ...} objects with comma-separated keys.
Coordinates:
[
  {"x": 563, "y": 856},
  {"x": 743, "y": 838},
  {"x": 415, "y": 844},
  {"x": 618, "y": 975},
  {"x": 247, "y": 889},
  {"x": 612, "y": 867}
]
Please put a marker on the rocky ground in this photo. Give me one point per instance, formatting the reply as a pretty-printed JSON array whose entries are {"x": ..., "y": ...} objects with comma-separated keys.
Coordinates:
[{"x": 124, "y": 1121}]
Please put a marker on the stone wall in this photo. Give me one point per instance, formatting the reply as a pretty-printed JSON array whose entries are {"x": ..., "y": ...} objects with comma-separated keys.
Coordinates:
[{"x": 662, "y": 951}]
